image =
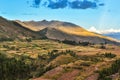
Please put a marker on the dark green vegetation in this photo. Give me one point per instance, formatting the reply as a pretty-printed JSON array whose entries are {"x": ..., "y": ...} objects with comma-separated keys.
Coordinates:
[
  {"x": 13, "y": 69},
  {"x": 6, "y": 39},
  {"x": 24, "y": 68},
  {"x": 109, "y": 55},
  {"x": 75, "y": 43},
  {"x": 105, "y": 73}
]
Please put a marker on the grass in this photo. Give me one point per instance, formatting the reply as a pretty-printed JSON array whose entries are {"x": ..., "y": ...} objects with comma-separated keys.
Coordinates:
[
  {"x": 36, "y": 47},
  {"x": 36, "y": 53},
  {"x": 82, "y": 32}
]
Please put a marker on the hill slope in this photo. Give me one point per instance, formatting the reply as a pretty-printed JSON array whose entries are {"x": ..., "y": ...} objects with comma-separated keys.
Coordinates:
[
  {"x": 55, "y": 30},
  {"x": 65, "y": 31},
  {"x": 56, "y": 34},
  {"x": 13, "y": 30}
]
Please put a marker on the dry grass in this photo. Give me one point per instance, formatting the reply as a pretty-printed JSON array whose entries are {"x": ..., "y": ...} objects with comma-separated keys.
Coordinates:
[
  {"x": 40, "y": 47},
  {"x": 82, "y": 32},
  {"x": 67, "y": 65}
]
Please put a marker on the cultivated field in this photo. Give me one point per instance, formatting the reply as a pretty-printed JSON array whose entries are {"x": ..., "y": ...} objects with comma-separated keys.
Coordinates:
[{"x": 53, "y": 60}]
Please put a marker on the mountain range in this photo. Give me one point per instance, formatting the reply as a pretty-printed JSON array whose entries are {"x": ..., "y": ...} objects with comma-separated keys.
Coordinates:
[
  {"x": 115, "y": 35},
  {"x": 55, "y": 30}
]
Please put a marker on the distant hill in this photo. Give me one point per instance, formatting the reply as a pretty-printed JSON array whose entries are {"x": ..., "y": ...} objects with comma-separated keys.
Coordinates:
[
  {"x": 13, "y": 30},
  {"x": 39, "y": 25},
  {"x": 55, "y": 30},
  {"x": 113, "y": 35},
  {"x": 58, "y": 30}
]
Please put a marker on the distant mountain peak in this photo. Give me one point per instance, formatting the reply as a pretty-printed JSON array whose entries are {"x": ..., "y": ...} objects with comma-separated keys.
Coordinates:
[{"x": 44, "y": 21}]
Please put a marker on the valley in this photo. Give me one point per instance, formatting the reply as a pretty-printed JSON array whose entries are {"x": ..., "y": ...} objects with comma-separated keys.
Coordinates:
[
  {"x": 59, "y": 40},
  {"x": 55, "y": 50},
  {"x": 54, "y": 60}
]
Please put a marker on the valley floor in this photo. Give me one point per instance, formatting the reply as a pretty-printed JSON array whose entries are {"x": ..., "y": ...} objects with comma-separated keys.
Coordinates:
[{"x": 53, "y": 60}]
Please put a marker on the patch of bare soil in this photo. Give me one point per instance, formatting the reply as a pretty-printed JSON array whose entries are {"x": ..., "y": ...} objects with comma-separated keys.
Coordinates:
[
  {"x": 115, "y": 76},
  {"x": 53, "y": 72},
  {"x": 93, "y": 77},
  {"x": 40, "y": 79},
  {"x": 50, "y": 74},
  {"x": 69, "y": 75}
]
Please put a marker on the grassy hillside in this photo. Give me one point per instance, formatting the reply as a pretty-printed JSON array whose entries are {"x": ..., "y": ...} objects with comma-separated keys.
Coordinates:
[
  {"x": 47, "y": 59},
  {"x": 65, "y": 31},
  {"x": 12, "y": 30},
  {"x": 71, "y": 35}
]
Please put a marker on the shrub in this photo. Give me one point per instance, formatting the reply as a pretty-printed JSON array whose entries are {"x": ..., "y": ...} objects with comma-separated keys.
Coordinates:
[
  {"x": 109, "y": 55},
  {"x": 29, "y": 39},
  {"x": 69, "y": 42},
  {"x": 114, "y": 68},
  {"x": 102, "y": 46},
  {"x": 84, "y": 43}
]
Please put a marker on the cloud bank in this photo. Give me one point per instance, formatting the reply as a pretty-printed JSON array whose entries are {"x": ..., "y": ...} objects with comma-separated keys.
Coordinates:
[
  {"x": 74, "y": 4},
  {"x": 111, "y": 31},
  {"x": 93, "y": 29}
]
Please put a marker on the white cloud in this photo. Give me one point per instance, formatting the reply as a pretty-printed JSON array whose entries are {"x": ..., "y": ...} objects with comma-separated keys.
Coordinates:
[
  {"x": 111, "y": 31},
  {"x": 93, "y": 29}
]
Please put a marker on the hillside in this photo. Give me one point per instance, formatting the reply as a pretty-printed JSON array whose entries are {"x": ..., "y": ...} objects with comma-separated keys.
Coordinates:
[
  {"x": 39, "y": 25},
  {"x": 12, "y": 30},
  {"x": 54, "y": 30},
  {"x": 58, "y": 30},
  {"x": 52, "y": 60}
]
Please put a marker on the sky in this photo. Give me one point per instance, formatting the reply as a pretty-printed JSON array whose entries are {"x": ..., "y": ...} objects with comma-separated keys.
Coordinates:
[{"x": 94, "y": 15}]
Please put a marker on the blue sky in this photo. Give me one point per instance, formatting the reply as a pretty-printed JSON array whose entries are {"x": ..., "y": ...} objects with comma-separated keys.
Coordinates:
[{"x": 101, "y": 14}]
